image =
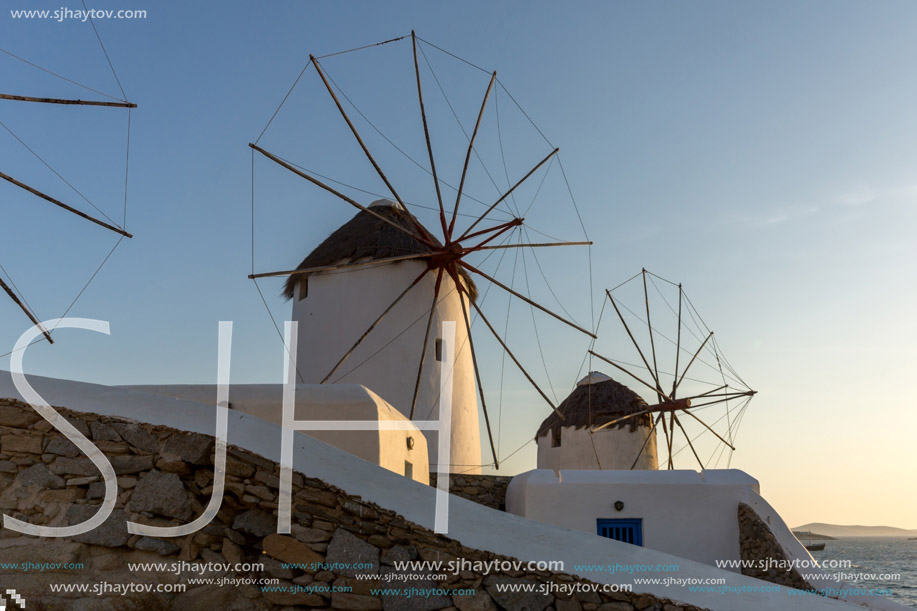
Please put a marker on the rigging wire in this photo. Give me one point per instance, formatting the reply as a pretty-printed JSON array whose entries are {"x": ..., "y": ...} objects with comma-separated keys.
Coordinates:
[
  {"x": 56, "y": 173},
  {"x": 284, "y": 100},
  {"x": 396, "y": 147},
  {"x": 16, "y": 288},
  {"x": 503, "y": 153},
  {"x": 104, "y": 51},
  {"x": 60, "y": 76},
  {"x": 459, "y": 122},
  {"x": 528, "y": 288}
]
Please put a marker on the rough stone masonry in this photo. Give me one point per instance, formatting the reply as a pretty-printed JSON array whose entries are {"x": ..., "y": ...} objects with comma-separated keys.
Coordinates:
[{"x": 165, "y": 478}]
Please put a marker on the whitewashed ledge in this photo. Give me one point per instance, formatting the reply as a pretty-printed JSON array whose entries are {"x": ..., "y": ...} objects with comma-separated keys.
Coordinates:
[{"x": 471, "y": 524}]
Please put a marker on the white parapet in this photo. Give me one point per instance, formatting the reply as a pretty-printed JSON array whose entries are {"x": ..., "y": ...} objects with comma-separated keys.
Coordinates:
[
  {"x": 400, "y": 451},
  {"x": 471, "y": 524}
]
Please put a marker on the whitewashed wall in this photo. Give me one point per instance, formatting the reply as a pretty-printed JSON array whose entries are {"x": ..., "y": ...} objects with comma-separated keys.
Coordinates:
[
  {"x": 610, "y": 448},
  {"x": 684, "y": 513},
  {"x": 340, "y": 307},
  {"x": 388, "y": 449}
]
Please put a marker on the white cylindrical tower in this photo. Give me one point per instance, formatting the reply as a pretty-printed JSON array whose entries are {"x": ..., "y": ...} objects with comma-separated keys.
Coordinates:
[
  {"x": 597, "y": 399},
  {"x": 335, "y": 308}
]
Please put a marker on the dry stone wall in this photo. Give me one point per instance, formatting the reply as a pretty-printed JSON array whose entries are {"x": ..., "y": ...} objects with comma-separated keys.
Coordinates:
[
  {"x": 487, "y": 490},
  {"x": 165, "y": 478},
  {"x": 757, "y": 542}
]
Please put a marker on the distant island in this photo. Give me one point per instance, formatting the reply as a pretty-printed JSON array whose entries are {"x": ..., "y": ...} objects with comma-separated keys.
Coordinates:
[{"x": 833, "y": 531}]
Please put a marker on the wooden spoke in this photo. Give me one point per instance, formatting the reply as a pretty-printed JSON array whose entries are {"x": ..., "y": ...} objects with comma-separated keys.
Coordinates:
[
  {"x": 507, "y": 194},
  {"x": 471, "y": 268},
  {"x": 499, "y": 230},
  {"x": 25, "y": 98},
  {"x": 677, "y": 343},
  {"x": 668, "y": 441},
  {"x": 691, "y": 362},
  {"x": 420, "y": 229},
  {"x": 61, "y": 204},
  {"x": 340, "y": 195},
  {"x": 658, "y": 388},
  {"x": 26, "y": 310},
  {"x": 474, "y": 134},
  {"x": 726, "y": 395},
  {"x": 373, "y": 325},
  {"x": 704, "y": 394},
  {"x": 732, "y": 447},
  {"x": 344, "y": 266},
  {"x": 622, "y": 419},
  {"x": 542, "y": 245},
  {"x": 426, "y": 338},
  {"x": 515, "y": 360},
  {"x": 426, "y": 133},
  {"x": 649, "y": 325},
  {"x": 353, "y": 130},
  {"x": 645, "y": 441},
  {"x": 675, "y": 420},
  {"x": 474, "y": 362},
  {"x": 489, "y": 229},
  {"x": 615, "y": 365},
  {"x": 724, "y": 400}
]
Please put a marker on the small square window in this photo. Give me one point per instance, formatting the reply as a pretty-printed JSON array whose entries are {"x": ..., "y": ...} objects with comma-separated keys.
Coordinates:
[
  {"x": 303, "y": 287},
  {"x": 439, "y": 350},
  {"x": 555, "y": 437},
  {"x": 408, "y": 469}
]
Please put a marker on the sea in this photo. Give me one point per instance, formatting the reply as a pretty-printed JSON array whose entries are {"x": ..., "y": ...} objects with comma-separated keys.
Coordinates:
[{"x": 891, "y": 564}]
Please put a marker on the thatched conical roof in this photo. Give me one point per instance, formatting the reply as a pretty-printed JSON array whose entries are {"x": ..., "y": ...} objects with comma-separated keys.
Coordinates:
[
  {"x": 597, "y": 399},
  {"x": 366, "y": 237}
]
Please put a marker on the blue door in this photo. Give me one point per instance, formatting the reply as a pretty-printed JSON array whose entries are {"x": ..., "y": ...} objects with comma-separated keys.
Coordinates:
[{"x": 628, "y": 530}]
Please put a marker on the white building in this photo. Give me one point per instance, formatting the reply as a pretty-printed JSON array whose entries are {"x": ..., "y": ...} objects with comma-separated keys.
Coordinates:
[
  {"x": 335, "y": 308},
  {"x": 683, "y": 513},
  {"x": 400, "y": 451},
  {"x": 571, "y": 443}
]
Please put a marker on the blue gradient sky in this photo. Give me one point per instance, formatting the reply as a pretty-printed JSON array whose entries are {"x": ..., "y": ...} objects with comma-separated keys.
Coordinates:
[{"x": 760, "y": 153}]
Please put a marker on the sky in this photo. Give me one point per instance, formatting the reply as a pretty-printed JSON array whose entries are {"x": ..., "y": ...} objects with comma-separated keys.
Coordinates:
[{"x": 759, "y": 153}]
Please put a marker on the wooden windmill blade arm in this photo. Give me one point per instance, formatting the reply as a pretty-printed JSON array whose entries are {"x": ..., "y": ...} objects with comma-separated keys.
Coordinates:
[
  {"x": 723, "y": 400},
  {"x": 25, "y": 98},
  {"x": 731, "y": 447},
  {"x": 622, "y": 419},
  {"x": 475, "y": 270},
  {"x": 688, "y": 439},
  {"x": 426, "y": 338},
  {"x": 426, "y": 133},
  {"x": 474, "y": 135},
  {"x": 691, "y": 362},
  {"x": 512, "y": 222},
  {"x": 615, "y": 365},
  {"x": 61, "y": 204},
  {"x": 373, "y": 325},
  {"x": 321, "y": 73},
  {"x": 646, "y": 441},
  {"x": 474, "y": 361},
  {"x": 496, "y": 233},
  {"x": 344, "y": 266},
  {"x": 725, "y": 395},
  {"x": 649, "y": 326},
  {"x": 515, "y": 360},
  {"x": 668, "y": 441},
  {"x": 538, "y": 245},
  {"x": 26, "y": 310},
  {"x": 633, "y": 340},
  {"x": 507, "y": 194},
  {"x": 340, "y": 195}
]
